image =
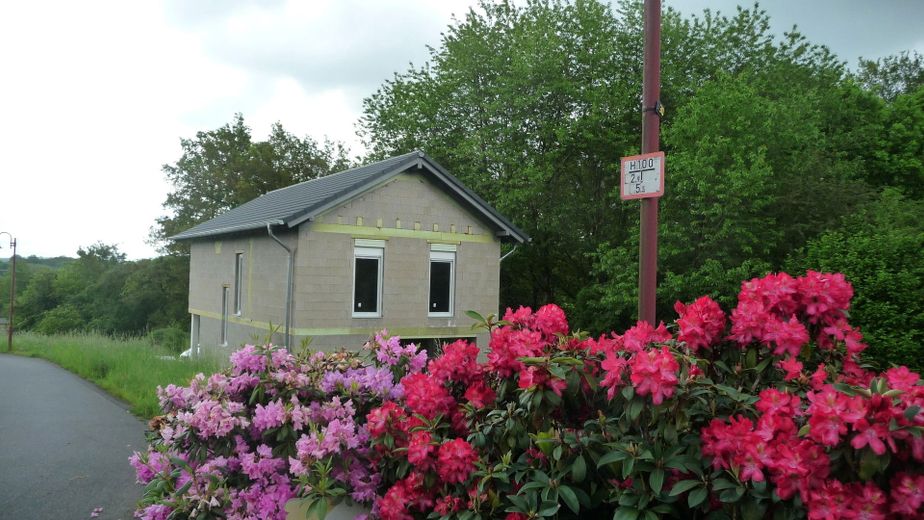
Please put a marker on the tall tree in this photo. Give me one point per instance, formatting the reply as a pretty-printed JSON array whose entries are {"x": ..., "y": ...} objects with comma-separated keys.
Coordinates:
[
  {"x": 533, "y": 104},
  {"x": 893, "y": 75},
  {"x": 225, "y": 167}
]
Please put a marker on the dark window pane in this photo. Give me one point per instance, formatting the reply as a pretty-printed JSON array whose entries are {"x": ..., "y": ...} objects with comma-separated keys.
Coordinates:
[
  {"x": 366, "y": 297},
  {"x": 440, "y": 274}
]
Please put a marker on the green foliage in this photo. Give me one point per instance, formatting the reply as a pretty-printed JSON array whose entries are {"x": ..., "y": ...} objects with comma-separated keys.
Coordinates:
[
  {"x": 893, "y": 75},
  {"x": 64, "y": 318},
  {"x": 224, "y": 168},
  {"x": 173, "y": 339},
  {"x": 879, "y": 251},
  {"x": 130, "y": 369},
  {"x": 769, "y": 141},
  {"x": 102, "y": 292}
]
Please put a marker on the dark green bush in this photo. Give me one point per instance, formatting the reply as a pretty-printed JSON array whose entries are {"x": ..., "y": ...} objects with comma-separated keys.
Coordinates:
[
  {"x": 881, "y": 252},
  {"x": 172, "y": 338}
]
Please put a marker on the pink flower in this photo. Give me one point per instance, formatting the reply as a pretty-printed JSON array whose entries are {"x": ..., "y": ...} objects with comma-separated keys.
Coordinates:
[
  {"x": 420, "y": 448},
  {"x": 817, "y": 378},
  {"x": 792, "y": 367},
  {"x": 551, "y": 321},
  {"x": 480, "y": 395},
  {"x": 615, "y": 367},
  {"x": 748, "y": 319},
  {"x": 380, "y": 420},
  {"x": 459, "y": 363},
  {"x": 456, "y": 461},
  {"x": 907, "y": 494},
  {"x": 701, "y": 323},
  {"x": 824, "y": 295},
  {"x": 425, "y": 395},
  {"x": 269, "y": 416},
  {"x": 523, "y": 316},
  {"x": 642, "y": 334},
  {"x": 772, "y": 401},
  {"x": 789, "y": 336},
  {"x": 871, "y": 435},
  {"x": 654, "y": 372},
  {"x": 901, "y": 378},
  {"x": 154, "y": 512}
]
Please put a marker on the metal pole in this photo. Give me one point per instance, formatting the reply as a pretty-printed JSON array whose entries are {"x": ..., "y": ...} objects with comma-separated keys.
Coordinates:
[
  {"x": 9, "y": 326},
  {"x": 651, "y": 91}
]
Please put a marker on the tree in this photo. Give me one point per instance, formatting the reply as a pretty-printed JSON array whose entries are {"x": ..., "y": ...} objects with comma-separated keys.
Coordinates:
[
  {"x": 892, "y": 76},
  {"x": 223, "y": 168},
  {"x": 879, "y": 251},
  {"x": 533, "y": 105}
]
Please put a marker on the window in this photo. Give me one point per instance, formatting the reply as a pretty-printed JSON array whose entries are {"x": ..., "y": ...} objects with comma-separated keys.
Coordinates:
[
  {"x": 367, "y": 278},
  {"x": 442, "y": 280},
  {"x": 238, "y": 282},
  {"x": 223, "y": 332}
]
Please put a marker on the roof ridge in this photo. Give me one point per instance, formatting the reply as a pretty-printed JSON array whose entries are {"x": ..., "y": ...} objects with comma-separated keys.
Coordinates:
[{"x": 418, "y": 152}]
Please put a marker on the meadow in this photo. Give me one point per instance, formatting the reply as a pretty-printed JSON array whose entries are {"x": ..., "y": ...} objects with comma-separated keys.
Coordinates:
[{"x": 130, "y": 369}]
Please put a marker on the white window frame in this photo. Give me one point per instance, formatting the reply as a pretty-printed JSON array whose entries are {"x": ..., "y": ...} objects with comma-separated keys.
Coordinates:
[
  {"x": 238, "y": 284},
  {"x": 368, "y": 249},
  {"x": 445, "y": 254}
]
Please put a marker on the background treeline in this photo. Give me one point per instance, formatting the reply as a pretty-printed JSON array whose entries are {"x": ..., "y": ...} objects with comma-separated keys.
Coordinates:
[
  {"x": 779, "y": 157},
  {"x": 100, "y": 291}
]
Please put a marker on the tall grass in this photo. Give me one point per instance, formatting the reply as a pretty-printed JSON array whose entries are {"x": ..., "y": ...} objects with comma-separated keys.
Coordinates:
[{"x": 130, "y": 369}]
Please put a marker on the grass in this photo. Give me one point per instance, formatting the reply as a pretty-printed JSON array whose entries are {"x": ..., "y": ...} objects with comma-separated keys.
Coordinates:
[{"x": 130, "y": 369}]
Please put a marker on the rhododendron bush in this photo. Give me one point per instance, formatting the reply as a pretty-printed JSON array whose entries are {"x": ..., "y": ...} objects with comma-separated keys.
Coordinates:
[{"x": 767, "y": 411}]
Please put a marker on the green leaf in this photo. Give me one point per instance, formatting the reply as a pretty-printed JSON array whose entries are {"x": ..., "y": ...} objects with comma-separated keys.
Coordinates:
[
  {"x": 548, "y": 509},
  {"x": 870, "y": 464},
  {"x": 683, "y": 486},
  {"x": 625, "y": 513},
  {"x": 613, "y": 456},
  {"x": 732, "y": 495},
  {"x": 475, "y": 316},
  {"x": 570, "y": 499},
  {"x": 533, "y": 485},
  {"x": 519, "y": 503},
  {"x": 317, "y": 510},
  {"x": 635, "y": 408},
  {"x": 720, "y": 483},
  {"x": 656, "y": 480},
  {"x": 912, "y": 411},
  {"x": 578, "y": 469},
  {"x": 696, "y": 497},
  {"x": 627, "y": 466}
]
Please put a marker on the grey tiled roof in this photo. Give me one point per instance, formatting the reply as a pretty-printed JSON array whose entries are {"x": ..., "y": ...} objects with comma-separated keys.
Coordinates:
[{"x": 293, "y": 205}]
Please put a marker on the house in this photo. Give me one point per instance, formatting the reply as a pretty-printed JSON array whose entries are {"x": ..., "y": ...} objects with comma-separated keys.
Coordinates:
[{"x": 400, "y": 244}]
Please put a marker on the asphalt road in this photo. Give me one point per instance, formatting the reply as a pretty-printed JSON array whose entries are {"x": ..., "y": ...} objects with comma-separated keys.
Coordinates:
[{"x": 64, "y": 445}]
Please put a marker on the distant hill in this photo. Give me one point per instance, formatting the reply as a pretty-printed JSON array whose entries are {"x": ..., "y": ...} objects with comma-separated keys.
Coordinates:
[{"x": 54, "y": 262}]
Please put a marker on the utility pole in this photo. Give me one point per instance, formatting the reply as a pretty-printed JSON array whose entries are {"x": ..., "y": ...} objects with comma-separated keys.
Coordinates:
[
  {"x": 9, "y": 325},
  {"x": 651, "y": 122}
]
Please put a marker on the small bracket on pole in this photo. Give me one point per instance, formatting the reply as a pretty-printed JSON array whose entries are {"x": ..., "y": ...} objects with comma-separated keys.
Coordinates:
[{"x": 658, "y": 109}]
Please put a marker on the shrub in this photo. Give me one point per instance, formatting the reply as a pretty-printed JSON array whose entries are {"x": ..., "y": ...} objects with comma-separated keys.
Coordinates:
[
  {"x": 766, "y": 412},
  {"x": 62, "y": 319},
  {"x": 273, "y": 426},
  {"x": 172, "y": 338}
]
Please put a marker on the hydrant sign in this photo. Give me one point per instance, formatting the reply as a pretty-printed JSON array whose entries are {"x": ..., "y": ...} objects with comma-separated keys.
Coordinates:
[{"x": 642, "y": 176}]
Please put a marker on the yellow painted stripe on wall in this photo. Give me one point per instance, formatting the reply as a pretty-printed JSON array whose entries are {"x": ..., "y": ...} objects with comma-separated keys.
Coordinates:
[
  {"x": 401, "y": 233},
  {"x": 408, "y": 332}
]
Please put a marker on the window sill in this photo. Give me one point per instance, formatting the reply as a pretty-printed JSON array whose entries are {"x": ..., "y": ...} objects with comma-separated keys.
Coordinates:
[
  {"x": 366, "y": 315},
  {"x": 439, "y": 315}
]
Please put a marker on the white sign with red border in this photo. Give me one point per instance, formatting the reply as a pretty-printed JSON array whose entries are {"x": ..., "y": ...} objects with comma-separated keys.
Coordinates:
[{"x": 641, "y": 176}]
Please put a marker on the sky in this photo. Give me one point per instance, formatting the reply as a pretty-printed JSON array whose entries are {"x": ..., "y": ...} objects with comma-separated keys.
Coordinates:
[{"x": 95, "y": 95}]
